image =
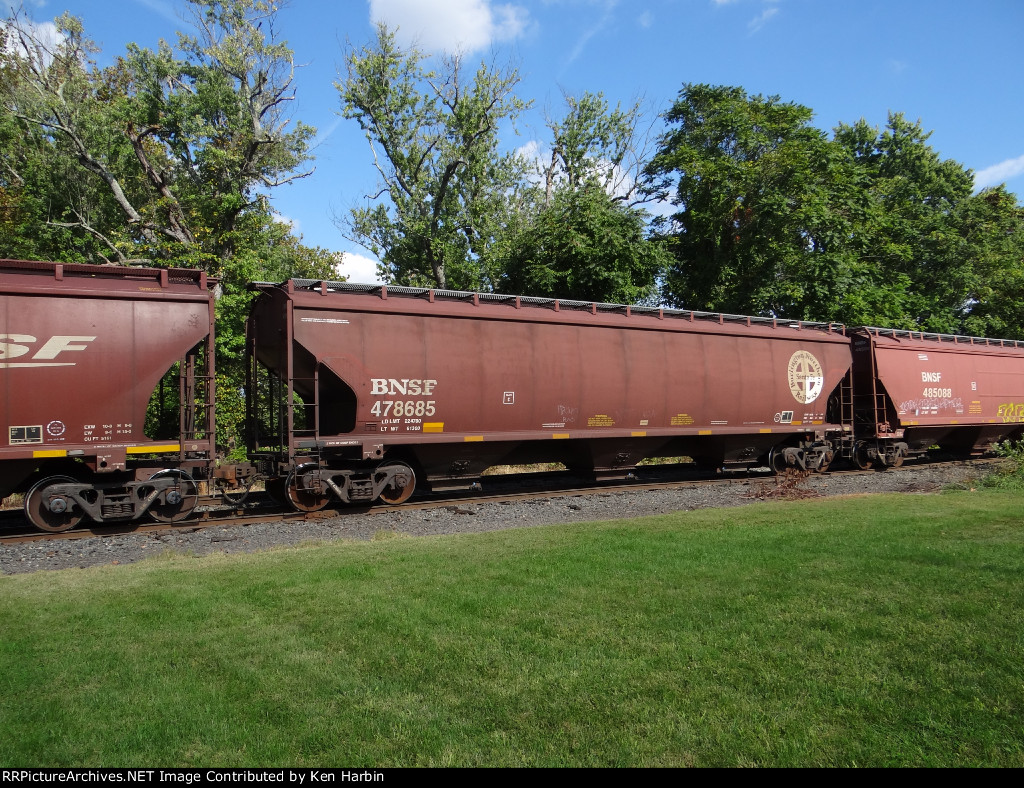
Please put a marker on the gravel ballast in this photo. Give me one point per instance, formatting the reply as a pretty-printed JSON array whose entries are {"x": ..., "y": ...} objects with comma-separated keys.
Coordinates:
[{"x": 466, "y": 517}]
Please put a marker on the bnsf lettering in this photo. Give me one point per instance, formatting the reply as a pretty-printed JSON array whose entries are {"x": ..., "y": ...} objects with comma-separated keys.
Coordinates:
[
  {"x": 410, "y": 387},
  {"x": 931, "y": 377},
  {"x": 11, "y": 347}
]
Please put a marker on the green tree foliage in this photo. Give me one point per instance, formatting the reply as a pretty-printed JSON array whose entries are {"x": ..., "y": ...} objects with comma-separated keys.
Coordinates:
[
  {"x": 772, "y": 217},
  {"x": 993, "y": 227},
  {"x": 942, "y": 251},
  {"x": 163, "y": 157},
  {"x": 434, "y": 138},
  {"x": 763, "y": 202},
  {"x": 581, "y": 238},
  {"x": 160, "y": 155},
  {"x": 594, "y": 144},
  {"x": 583, "y": 246},
  {"x": 166, "y": 157},
  {"x": 46, "y": 199}
]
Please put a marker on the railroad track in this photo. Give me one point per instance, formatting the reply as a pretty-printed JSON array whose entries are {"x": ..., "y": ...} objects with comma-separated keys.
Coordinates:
[{"x": 506, "y": 489}]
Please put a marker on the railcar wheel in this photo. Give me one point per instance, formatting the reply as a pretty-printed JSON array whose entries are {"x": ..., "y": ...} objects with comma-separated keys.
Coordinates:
[
  {"x": 862, "y": 459},
  {"x": 180, "y": 501},
  {"x": 304, "y": 500},
  {"x": 47, "y": 515},
  {"x": 398, "y": 492},
  {"x": 777, "y": 461}
]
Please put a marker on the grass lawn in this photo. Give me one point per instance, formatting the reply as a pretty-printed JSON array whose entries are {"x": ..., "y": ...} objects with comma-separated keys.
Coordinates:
[{"x": 870, "y": 631}]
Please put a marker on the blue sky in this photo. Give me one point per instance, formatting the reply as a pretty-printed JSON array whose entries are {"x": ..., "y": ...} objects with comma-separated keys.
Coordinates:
[{"x": 955, "y": 65}]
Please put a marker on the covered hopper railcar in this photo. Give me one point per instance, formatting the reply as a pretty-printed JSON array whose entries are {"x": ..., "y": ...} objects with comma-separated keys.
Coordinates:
[
  {"x": 359, "y": 392},
  {"x": 916, "y": 390},
  {"x": 82, "y": 349}
]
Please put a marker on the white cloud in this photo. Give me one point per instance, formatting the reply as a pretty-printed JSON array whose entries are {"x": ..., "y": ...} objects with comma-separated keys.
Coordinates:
[
  {"x": 601, "y": 23},
  {"x": 44, "y": 33},
  {"x": 358, "y": 268},
  {"x": 12, "y": 6},
  {"x": 451, "y": 25},
  {"x": 323, "y": 134},
  {"x": 531, "y": 151},
  {"x": 163, "y": 8},
  {"x": 294, "y": 224},
  {"x": 617, "y": 181},
  {"x": 758, "y": 22},
  {"x": 999, "y": 173},
  {"x": 646, "y": 19}
]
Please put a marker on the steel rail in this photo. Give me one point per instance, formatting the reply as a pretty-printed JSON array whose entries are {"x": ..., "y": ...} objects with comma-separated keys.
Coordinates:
[{"x": 237, "y": 516}]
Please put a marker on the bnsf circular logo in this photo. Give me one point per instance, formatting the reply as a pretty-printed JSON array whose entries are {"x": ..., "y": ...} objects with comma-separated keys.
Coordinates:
[{"x": 806, "y": 379}]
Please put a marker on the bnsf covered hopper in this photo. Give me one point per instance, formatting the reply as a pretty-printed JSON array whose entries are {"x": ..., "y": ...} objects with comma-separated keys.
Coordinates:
[
  {"x": 445, "y": 384},
  {"x": 916, "y": 390},
  {"x": 82, "y": 349}
]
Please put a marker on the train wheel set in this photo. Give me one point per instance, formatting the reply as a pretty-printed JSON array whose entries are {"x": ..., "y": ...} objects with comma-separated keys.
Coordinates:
[{"x": 363, "y": 393}]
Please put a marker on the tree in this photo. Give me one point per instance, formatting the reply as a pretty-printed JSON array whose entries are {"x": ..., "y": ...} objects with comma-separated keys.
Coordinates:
[
  {"x": 866, "y": 228},
  {"x": 581, "y": 238},
  {"x": 762, "y": 201},
  {"x": 434, "y": 139},
  {"x": 926, "y": 229},
  {"x": 43, "y": 191},
  {"x": 583, "y": 246},
  {"x": 171, "y": 151},
  {"x": 596, "y": 145},
  {"x": 993, "y": 226}
]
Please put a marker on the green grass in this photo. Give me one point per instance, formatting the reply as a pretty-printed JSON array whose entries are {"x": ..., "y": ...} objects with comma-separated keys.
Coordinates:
[{"x": 875, "y": 631}]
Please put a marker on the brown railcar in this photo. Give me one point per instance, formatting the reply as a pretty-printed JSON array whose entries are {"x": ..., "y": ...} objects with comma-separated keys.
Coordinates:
[
  {"x": 356, "y": 390},
  {"x": 916, "y": 390},
  {"x": 82, "y": 349}
]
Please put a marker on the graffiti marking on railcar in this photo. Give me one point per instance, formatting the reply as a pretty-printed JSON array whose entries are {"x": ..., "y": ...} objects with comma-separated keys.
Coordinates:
[
  {"x": 806, "y": 377},
  {"x": 568, "y": 414},
  {"x": 331, "y": 320},
  {"x": 931, "y": 406},
  {"x": 1011, "y": 412}
]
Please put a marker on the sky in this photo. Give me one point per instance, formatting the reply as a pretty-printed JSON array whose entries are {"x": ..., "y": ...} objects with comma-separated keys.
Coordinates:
[{"x": 954, "y": 65}]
